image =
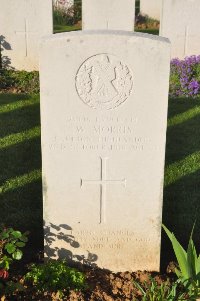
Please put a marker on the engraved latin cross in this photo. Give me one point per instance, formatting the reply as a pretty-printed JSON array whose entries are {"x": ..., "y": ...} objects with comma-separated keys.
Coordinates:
[
  {"x": 26, "y": 33},
  {"x": 103, "y": 182}
]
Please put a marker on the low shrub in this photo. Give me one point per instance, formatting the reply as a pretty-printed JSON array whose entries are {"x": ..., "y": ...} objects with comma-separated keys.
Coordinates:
[
  {"x": 63, "y": 16},
  {"x": 55, "y": 276},
  {"x": 67, "y": 15},
  {"x": 11, "y": 243},
  {"x": 77, "y": 11},
  {"x": 188, "y": 271},
  {"x": 165, "y": 291},
  {"x": 145, "y": 22},
  {"x": 185, "y": 77},
  {"x": 137, "y": 7},
  {"x": 19, "y": 81}
]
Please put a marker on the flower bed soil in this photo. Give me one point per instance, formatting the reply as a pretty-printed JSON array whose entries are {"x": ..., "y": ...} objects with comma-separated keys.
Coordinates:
[{"x": 101, "y": 285}]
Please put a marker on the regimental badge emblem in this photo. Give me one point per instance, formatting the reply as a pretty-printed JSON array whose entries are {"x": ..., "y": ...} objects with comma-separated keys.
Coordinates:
[{"x": 104, "y": 82}]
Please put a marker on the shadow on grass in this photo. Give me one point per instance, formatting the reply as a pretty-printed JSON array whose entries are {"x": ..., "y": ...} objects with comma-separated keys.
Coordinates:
[
  {"x": 20, "y": 168},
  {"x": 182, "y": 186},
  {"x": 183, "y": 140},
  {"x": 181, "y": 105},
  {"x": 19, "y": 119},
  {"x": 181, "y": 208},
  {"x": 21, "y": 209},
  {"x": 9, "y": 98}
]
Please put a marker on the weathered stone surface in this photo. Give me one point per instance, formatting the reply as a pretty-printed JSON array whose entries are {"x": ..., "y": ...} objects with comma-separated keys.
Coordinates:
[
  {"x": 108, "y": 14},
  {"x": 152, "y": 8},
  {"x": 180, "y": 23},
  {"x": 22, "y": 24},
  {"x": 104, "y": 101}
]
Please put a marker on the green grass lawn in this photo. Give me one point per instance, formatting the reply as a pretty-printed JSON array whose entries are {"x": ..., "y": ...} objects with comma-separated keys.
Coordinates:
[
  {"x": 149, "y": 31},
  {"x": 20, "y": 165},
  {"x": 64, "y": 28},
  {"x": 182, "y": 170}
]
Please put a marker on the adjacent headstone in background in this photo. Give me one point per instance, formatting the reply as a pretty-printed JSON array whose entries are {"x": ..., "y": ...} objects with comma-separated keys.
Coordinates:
[
  {"x": 104, "y": 98},
  {"x": 151, "y": 8},
  {"x": 180, "y": 22},
  {"x": 108, "y": 14},
  {"x": 22, "y": 24}
]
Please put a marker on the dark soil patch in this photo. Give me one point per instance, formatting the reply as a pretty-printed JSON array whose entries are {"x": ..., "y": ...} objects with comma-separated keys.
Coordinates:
[{"x": 101, "y": 285}]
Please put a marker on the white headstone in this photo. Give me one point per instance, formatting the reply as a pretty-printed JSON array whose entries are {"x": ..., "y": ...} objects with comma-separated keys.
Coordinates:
[
  {"x": 180, "y": 22},
  {"x": 108, "y": 14},
  {"x": 151, "y": 8},
  {"x": 104, "y": 98},
  {"x": 22, "y": 24}
]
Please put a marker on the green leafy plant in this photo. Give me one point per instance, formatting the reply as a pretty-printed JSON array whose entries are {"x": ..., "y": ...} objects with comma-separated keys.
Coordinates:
[
  {"x": 9, "y": 288},
  {"x": 67, "y": 15},
  {"x": 77, "y": 10},
  {"x": 145, "y": 22},
  {"x": 55, "y": 276},
  {"x": 189, "y": 263},
  {"x": 11, "y": 242},
  {"x": 166, "y": 291},
  {"x": 63, "y": 16},
  {"x": 19, "y": 81}
]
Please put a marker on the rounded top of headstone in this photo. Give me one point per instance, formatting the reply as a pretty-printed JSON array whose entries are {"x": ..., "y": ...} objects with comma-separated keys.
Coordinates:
[{"x": 109, "y": 33}]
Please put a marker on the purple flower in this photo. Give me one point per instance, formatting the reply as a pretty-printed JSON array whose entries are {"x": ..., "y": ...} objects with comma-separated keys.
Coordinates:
[
  {"x": 185, "y": 77},
  {"x": 194, "y": 86}
]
